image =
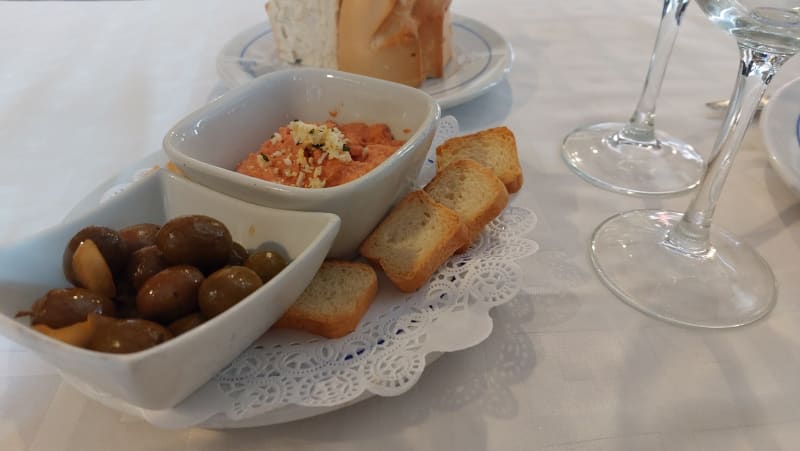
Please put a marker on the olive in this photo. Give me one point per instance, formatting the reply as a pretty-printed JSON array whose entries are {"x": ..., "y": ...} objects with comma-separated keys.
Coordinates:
[
  {"x": 108, "y": 242},
  {"x": 139, "y": 235},
  {"x": 238, "y": 255},
  {"x": 169, "y": 294},
  {"x": 225, "y": 287},
  {"x": 266, "y": 264},
  {"x": 63, "y": 307},
  {"x": 196, "y": 240},
  {"x": 144, "y": 264},
  {"x": 125, "y": 301},
  {"x": 121, "y": 336},
  {"x": 186, "y": 323}
]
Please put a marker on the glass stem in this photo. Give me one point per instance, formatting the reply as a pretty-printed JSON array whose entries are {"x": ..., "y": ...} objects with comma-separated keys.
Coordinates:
[
  {"x": 756, "y": 69},
  {"x": 641, "y": 126}
]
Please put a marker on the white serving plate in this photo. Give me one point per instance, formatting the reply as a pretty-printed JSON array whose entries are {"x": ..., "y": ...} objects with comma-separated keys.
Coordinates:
[
  {"x": 481, "y": 58},
  {"x": 289, "y": 375},
  {"x": 780, "y": 126}
]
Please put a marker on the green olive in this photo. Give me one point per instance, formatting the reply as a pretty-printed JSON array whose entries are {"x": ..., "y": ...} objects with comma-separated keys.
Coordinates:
[
  {"x": 170, "y": 294},
  {"x": 226, "y": 287},
  {"x": 266, "y": 264},
  {"x": 63, "y": 307},
  {"x": 195, "y": 240}
]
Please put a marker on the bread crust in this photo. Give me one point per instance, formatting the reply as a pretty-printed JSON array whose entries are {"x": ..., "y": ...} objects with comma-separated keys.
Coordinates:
[
  {"x": 492, "y": 183},
  {"x": 333, "y": 326},
  {"x": 454, "y": 238},
  {"x": 498, "y": 139}
]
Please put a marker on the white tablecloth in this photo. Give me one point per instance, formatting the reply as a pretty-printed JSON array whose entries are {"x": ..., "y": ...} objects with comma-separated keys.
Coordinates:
[{"x": 88, "y": 88}]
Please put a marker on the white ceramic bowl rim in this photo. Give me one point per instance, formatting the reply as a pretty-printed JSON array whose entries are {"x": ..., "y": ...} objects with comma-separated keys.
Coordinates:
[{"x": 428, "y": 125}]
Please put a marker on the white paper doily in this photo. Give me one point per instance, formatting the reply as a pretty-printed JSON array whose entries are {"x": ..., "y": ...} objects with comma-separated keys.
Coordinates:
[
  {"x": 386, "y": 354},
  {"x": 287, "y": 375}
]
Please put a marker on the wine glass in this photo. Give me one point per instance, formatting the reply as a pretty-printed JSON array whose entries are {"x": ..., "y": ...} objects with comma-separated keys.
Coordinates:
[
  {"x": 633, "y": 157},
  {"x": 680, "y": 268}
]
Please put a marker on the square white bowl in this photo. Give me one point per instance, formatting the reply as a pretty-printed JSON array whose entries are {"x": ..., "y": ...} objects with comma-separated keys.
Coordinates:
[
  {"x": 162, "y": 376},
  {"x": 209, "y": 143}
]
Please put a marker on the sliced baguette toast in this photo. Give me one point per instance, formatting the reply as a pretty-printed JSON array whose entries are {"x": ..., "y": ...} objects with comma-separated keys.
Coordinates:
[
  {"x": 417, "y": 236},
  {"x": 335, "y": 301},
  {"x": 495, "y": 148},
  {"x": 473, "y": 191}
]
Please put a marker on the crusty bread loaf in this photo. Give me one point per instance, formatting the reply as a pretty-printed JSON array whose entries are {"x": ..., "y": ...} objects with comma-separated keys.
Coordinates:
[
  {"x": 471, "y": 190},
  {"x": 417, "y": 236},
  {"x": 335, "y": 301},
  {"x": 495, "y": 148},
  {"x": 435, "y": 35},
  {"x": 305, "y": 32}
]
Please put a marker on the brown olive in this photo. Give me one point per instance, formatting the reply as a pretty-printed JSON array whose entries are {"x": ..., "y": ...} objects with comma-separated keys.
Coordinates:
[
  {"x": 224, "y": 288},
  {"x": 125, "y": 301},
  {"x": 238, "y": 255},
  {"x": 121, "y": 336},
  {"x": 144, "y": 264},
  {"x": 62, "y": 307},
  {"x": 266, "y": 264},
  {"x": 169, "y": 294},
  {"x": 108, "y": 242},
  {"x": 186, "y": 323},
  {"x": 196, "y": 240},
  {"x": 139, "y": 235}
]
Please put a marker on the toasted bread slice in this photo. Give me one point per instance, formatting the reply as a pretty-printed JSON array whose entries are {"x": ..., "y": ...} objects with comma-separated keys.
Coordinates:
[
  {"x": 495, "y": 148},
  {"x": 471, "y": 190},
  {"x": 417, "y": 236},
  {"x": 335, "y": 301}
]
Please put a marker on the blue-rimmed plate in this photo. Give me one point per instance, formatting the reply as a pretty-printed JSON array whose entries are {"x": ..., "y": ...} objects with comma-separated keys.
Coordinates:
[
  {"x": 780, "y": 127},
  {"x": 481, "y": 58}
]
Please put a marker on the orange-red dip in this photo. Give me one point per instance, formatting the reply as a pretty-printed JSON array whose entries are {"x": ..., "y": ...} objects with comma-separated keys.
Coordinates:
[{"x": 295, "y": 161}]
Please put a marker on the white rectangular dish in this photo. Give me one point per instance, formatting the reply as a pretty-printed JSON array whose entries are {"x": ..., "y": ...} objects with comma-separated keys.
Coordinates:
[
  {"x": 162, "y": 376},
  {"x": 208, "y": 144}
]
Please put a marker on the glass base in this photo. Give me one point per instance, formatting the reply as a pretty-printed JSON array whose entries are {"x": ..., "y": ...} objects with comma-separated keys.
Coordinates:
[
  {"x": 663, "y": 166},
  {"x": 730, "y": 286}
]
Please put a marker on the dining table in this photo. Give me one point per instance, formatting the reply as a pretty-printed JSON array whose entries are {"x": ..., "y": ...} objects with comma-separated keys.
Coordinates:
[{"x": 89, "y": 88}]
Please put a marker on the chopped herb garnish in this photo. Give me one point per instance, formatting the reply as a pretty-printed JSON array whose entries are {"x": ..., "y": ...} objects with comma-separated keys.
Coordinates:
[
  {"x": 346, "y": 148},
  {"x": 264, "y": 156},
  {"x": 318, "y": 146}
]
